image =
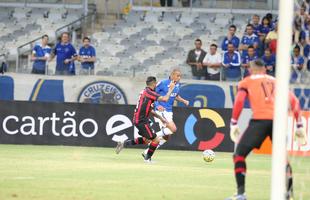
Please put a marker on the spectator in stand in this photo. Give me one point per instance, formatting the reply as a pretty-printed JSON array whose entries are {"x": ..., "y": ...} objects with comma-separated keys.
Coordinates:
[
  {"x": 297, "y": 64},
  {"x": 264, "y": 29},
  {"x": 213, "y": 62},
  {"x": 272, "y": 21},
  {"x": 306, "y": 4},
  {"x": 40, "y": 55},
  {"x": 255, "y": 23},
  {"x": 270, "y": 62},
  {"x": 87, "y": 57},
  {"x": 304, "y": 34},
  {"x": 66, "y": 55},
  {"x": 273, "y": 46},
  {"x": 307, "y": 54},
  {"x": 231, "y": 63},
  {"x": 249, "y": 39},
  {"x": 195, "y": 58},
  {"x": 272, "y": 35},
  {"x": 231, "y": 38},
  {"x": 251, "y": 55},
  {"x": 299, "y": 22}
]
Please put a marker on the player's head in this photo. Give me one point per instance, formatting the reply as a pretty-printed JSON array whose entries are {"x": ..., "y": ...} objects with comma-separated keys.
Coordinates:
[
  {"x": 44, "y": 39},
  {"x": 267, "y": 52},
  {"x": 151, "y": 82},
  {"x": 302, "y": 10},
  {"x": 269, "y": 16},
  {"x": 175, "y": 75},
  {"x": 255, "y": 19},
  {"x": 230, "y": 47},
  {"x": 251, "y": 50},
  {"x": 232, "y": 29},
  {"x": 266, "y": 21},
  {"x": 64, "y": 37},
  {"x": 198, "y": 43},
  {"x": 86, "y": 41},
  {"x": 249, "y": 29},
  {"x": 296, "y": 50},
  {"x": 213, "y": 48},
  {"x": 257, "y": 66}
]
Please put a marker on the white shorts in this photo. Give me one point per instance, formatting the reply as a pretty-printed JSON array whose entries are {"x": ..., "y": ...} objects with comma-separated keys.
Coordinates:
[{"x": 166, "y": 115}]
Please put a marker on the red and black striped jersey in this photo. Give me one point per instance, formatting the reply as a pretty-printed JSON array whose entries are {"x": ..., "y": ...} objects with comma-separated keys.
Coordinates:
[{"x": 144, "y": 105}]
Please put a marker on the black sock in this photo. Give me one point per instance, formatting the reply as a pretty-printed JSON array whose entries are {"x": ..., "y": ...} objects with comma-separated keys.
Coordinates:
[
  {"x": 289, "y": 179},
  {"x": 151, "y": 149},
  {"x": 139, "y": 140},
  {"x": 240, "y": 171}
]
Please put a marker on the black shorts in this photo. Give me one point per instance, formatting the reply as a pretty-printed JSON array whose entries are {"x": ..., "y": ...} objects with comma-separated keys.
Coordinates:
[
  {"x": 256, "y": 133},
  {"x": 146, "y": 131}
]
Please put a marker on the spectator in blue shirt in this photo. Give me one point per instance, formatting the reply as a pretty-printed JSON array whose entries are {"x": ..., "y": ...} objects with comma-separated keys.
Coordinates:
[
  {"x": 87, "y": 57},
  {"x": 231, "y": 63},
  {"x": 249, "y": 39},
  {"x": 231, "y": 37},
  {"x": 66, "y": 55},
  {"x": 273, "y": 21},
  {"x": 255, "y": 23},
  {"x": 40, "y": 54},
  {"x": 247, "y": 59},
  {"x": 307, "y": 55},
  {"x": 270, "y": 62},
  {"x": 264, "y": 28},
  {"x": 297, "y": 64}
]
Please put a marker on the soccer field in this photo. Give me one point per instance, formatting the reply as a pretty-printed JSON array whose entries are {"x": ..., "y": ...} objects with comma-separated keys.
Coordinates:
[{"x": 84, "y": 173}]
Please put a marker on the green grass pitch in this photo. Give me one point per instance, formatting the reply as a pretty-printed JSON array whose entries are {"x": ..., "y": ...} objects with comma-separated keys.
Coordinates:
[{"x": 85, "y": 173}]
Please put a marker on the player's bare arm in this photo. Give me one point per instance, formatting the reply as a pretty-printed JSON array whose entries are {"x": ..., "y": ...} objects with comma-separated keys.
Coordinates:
[{"x": 180, "y": 99}]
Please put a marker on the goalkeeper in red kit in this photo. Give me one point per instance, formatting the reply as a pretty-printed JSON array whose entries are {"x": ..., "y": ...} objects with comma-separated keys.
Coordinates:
[{"x": 258, "y": 88}]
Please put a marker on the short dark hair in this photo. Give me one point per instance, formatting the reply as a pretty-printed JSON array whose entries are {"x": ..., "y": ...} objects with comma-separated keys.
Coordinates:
[
  {"x": 230, "y": 43},
  {"x": 64, "y": 33},
  {"x": 86, "y": 38},
  {"x": 213, "y": 45},
  {"x": 44, "y": 36},
  {"x": 198, "y": 40},
  {"x": 269, "y": 16},
  {"x": 297, "y": 47},
  {"x": 233, "y": 26},
  {"x": 268, "y": 49},
  {"x": 250, "y": 25},
  {"x": 150, "y": 80},
  {"x": 258, "y": 63},
  {"x": 251, "y": 47}
]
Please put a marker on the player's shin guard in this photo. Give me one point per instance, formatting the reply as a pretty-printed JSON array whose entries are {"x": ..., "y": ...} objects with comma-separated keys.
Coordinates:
[
  {"x": 240, "y": 172},
  {"x": 289, "y": 181},
  {"x": 139, "y": 140},
  {"x": 151, "y": 149}
]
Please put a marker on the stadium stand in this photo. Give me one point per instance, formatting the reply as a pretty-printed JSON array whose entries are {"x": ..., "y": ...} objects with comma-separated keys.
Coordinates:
[{"x": 142, "y": 41}]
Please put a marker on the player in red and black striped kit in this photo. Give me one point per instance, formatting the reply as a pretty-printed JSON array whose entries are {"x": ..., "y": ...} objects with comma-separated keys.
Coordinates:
[{"x": 141, "y": 118}]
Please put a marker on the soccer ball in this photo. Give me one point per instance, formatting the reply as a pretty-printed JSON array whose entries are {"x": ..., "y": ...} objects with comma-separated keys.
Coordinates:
[{"x": 208, "y": 155}]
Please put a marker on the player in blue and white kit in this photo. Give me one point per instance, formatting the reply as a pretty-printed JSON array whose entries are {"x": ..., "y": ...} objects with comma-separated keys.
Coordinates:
[{"x": 164, "y": 109}]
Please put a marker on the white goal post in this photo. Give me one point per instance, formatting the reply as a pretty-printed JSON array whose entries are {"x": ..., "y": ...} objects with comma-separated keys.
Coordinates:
[{"x": 279, "y": 154}]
